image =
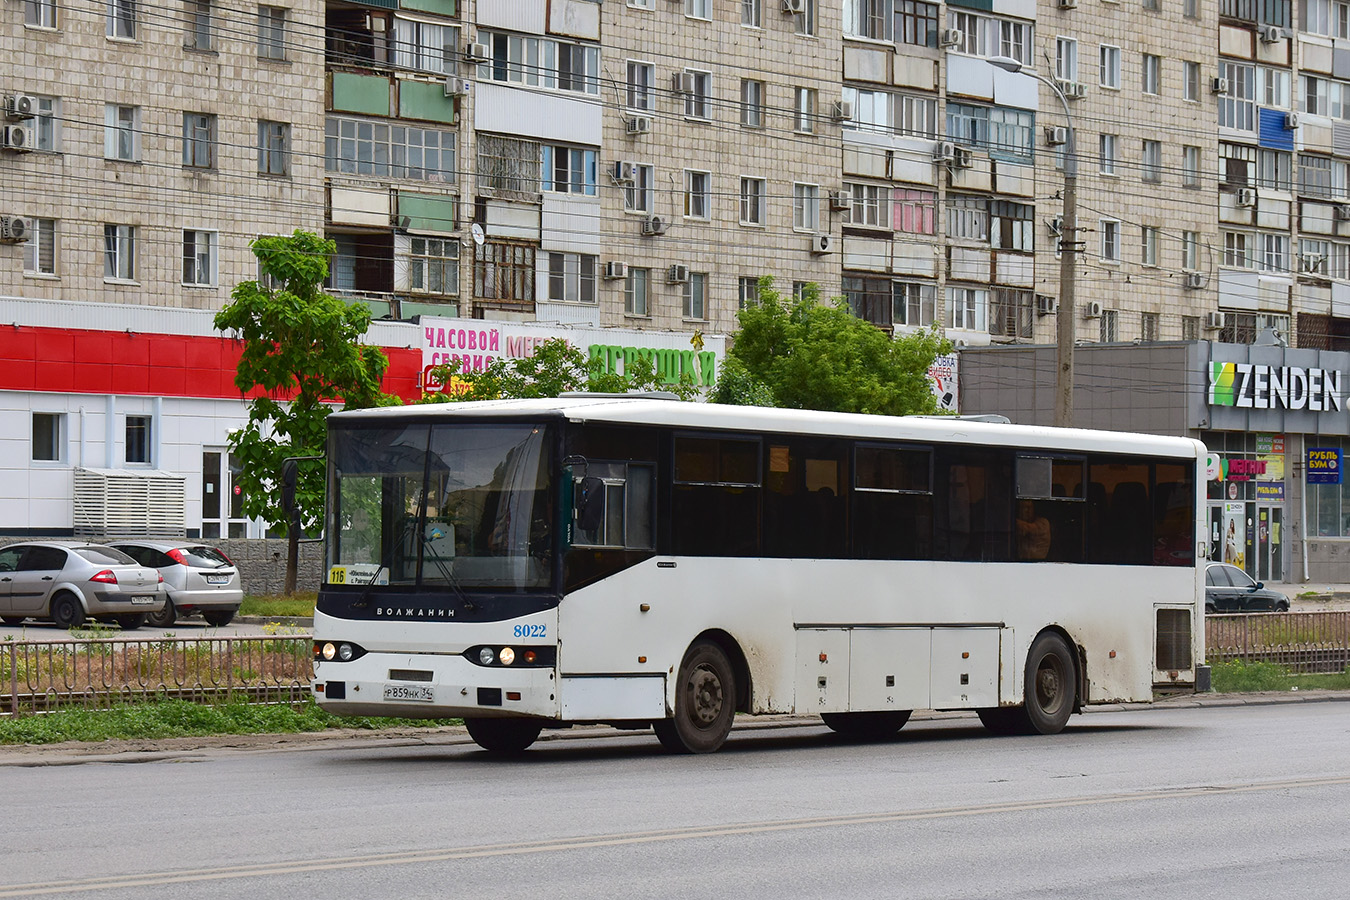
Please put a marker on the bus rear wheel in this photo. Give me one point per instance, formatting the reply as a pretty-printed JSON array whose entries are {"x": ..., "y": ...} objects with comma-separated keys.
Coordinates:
[
  {"x": 503, "y": 735},
  {"x": 705, "y": 703},
  {"x": 1049, "y": 692},
  {"x": 868, "y": 726}
]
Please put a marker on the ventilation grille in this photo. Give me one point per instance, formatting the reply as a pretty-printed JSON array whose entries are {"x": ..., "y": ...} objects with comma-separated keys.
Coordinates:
[
  {"x": 1174, "y": 640},
  {"x": 129, "y": 503}
]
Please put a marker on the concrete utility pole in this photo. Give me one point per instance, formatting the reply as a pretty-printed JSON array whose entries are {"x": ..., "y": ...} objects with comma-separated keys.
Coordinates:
[{"x": 1065, "y": 320}]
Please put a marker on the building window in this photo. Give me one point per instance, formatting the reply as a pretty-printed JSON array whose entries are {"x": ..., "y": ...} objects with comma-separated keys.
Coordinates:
[
  {"x": 698, "y": 102},
  {"x": 1151, "y": 74},
  {"x": 751, "y": 12},
  {"x": 639, "y": 85},
  {"x": 637, "y": 197},
  {"x": 805, "y": 21},
  {"x": 541, "y": 62},
  {"x": 1274, "y": 254},
  {"x": 271, "y": 32},
  {"x": 752, "y": 201},
  {"x": 1190, "y": 251},
  {"x": 870, "y": 299},
  {"x": 972, "y": 31},
  {"x": 967, "y": 308},
  {"x": 571, "y": 277},
  {"x": 697, "y": 194},
  {"x": 635, "y": 291},
  {"x": 915, "y": 211},
  {"x": 121, "y": 132},
  {"x": 916, "y": 115},
  {"x": 747, "y": 291},
  {"x": 1148, "y": 245},
  {"x": 274, "y": 148},
  {"x": 138, "y": 436},
  {"x": 1237, "y": 252},
  {"x": 199, "y": 258},
  {"x": 201, "y": 30},
  {"x": 1012, "y": 226},
  {"x": 1107, "y": 153},
  {"x": 1014, "y": 40},
  {"x": 696, "y": 296},
  {"x": 1109, "y": 326},
  {"x": 1066, "y": 59},
  {"x": 1012, "y": 313},
  {"x": 121, "y": 19},
  {"x": 698, "y": 9},
  {"x": 433, "y": 265},
  {"x": 1272, "y": 85},
  {"x": 1237, "y": 107},
  {"x": 1314, "y": 256},
  {"x": 40, "y": 13},
  {"x": 199, "y": 140},
  {"x": 39, "y": 253},
  {"x": 1110, "y": 240},
  {"x": 119, "y": 252},
  {"x": 1190, "y": 328},
  {"x": 1148, "y": 326},
  {"x": 869, "y": 205},
  {"x": 504, "y": 271},
  {"x": 426, "y": 47},
  {"x": 806, "y": 207},
  {"x": 47, "y": 124},
  {"x": 361, "y": 147},
  {"x": 868, "y": 19},
  {"x": 569, "y": 170},
  {"x": 1190, "y": 79},
  {"x": 1110, "y": 66},
  {"x": 1272, "y": 169},
  {"x": 752, "y": 103},
  {"x": 968, "y": 218},
  {"x": 916, "y": 23},
  {"x": 1314, "y": 176},
  {"x": 1190, "y": 167},
  {"x": 804, "y": 110},
  {"x": 914, "y": 303},
  {"x": 1151, "y": 162},
  {"x": 49, "y": 437}
]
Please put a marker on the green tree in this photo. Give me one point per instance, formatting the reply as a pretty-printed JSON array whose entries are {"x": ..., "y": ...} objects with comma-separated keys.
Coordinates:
[
  {"x": 302, "y": 348},
  {"x": 555, "y": 368},
  {"x": 801, "y": 353}
]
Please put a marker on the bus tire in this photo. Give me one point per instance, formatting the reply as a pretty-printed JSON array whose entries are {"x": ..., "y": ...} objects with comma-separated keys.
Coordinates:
[
  {"x": 705, "y": 703},
  {"x": 867, "y": 726},
  {"x": 503, "y": 735},
  {"x": 1049, "y": 691}
]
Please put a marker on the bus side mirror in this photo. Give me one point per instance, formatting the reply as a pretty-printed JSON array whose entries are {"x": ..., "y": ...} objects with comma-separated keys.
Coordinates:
[{"x": 290, "y": 473}]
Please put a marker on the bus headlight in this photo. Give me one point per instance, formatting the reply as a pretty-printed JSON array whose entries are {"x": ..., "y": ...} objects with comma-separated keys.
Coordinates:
[
  {"x": 344, "y": 652},
  {"x": 486, "y": 656},
  {"x": 337, "y": 651},
  {"x": 329, "y": 650},
  {"x": 507, "y": 656}
]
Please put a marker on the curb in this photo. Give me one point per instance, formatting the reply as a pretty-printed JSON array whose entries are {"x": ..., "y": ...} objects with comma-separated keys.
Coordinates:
[{"x": 298, "y": 621}]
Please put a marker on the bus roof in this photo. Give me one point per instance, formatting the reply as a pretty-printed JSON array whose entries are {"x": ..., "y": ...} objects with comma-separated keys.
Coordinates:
[{"x": 639, "y": 410}]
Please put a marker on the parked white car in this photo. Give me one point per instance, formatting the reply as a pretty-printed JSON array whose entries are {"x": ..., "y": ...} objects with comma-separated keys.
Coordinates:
[{"x": 198, "y": 579}]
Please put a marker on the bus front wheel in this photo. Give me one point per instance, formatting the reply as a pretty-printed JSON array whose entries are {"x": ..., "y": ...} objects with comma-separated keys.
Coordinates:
[
  {"x": 868, "y": 726},
  {"x": 503, "y": 735},
  {"x": 705, "y": 703}
]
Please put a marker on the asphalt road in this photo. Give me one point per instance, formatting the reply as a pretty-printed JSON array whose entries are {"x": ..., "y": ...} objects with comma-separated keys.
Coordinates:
[{"x": 1222, "y": 802}]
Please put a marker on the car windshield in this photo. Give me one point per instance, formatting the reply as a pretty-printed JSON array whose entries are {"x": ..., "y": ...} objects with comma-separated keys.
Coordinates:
[
  {"x": 464, "y": 505},
  {"x": 104, "y": 556}
]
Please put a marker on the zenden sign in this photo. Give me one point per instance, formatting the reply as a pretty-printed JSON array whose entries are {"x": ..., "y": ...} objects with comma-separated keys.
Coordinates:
[{"x": 1254, "y": 386}]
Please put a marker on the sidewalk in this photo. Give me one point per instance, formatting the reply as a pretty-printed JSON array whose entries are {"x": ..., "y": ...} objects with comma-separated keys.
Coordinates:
[{"x": 1314, "y": 596}]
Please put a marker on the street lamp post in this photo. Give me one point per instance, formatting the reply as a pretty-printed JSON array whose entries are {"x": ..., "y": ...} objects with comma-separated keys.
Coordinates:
[{"x": 1068, "y": 243}]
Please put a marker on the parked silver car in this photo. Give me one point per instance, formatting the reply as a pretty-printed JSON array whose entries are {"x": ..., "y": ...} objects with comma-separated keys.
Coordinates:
[
  {"x": 198, "y": 578},
  {"x": 69, "y": 581}
]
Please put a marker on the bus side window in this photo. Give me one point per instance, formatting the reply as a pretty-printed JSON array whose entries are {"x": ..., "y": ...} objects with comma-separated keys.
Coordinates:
[
  {"x": 892, "y": 502},
  {"x": 715, "y": 496}
]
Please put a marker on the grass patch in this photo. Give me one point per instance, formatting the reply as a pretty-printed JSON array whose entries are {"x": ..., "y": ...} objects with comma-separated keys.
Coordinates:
[
  {"x": 1237, "y": 677},
  {"x": 298, "y": 604},
  {"x": 181, "y": 718}
]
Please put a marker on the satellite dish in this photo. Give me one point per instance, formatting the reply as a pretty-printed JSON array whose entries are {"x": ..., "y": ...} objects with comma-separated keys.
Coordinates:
[{"x": 477, "y": 232}]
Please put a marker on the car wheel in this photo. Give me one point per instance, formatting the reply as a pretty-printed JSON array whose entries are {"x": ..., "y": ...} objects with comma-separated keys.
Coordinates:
[
  {"x": 1282, "y": 607},
  {"x": 503, "y": 735},
  {"x": 66, "y": 611},
  {"x": 705, "y": 703},
  {"x": 132, "y": 621},
  {"x": 163, "y": 618},
  {"x": 12, "y": 620},
  {"x": 218, "y": 617}
]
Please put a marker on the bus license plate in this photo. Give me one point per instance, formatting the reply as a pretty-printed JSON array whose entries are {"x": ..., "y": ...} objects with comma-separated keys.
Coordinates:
[{"x": 420, "y": 692}]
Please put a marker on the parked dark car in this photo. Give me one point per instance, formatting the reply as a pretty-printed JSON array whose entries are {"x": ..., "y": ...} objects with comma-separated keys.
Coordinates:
[
  {"x": 1228, "y": 589},
  {"x": 198, "y": 579},
  {"x": 69, "y": 581}
]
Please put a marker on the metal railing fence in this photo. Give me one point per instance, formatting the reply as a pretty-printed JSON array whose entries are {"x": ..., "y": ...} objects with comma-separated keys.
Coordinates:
[
  {"x": 37, "y": 676},
  {"x": 1303, "y": 642}
]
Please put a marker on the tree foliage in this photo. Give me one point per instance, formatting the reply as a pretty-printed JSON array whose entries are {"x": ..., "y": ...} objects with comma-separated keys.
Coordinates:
[
  {"x": 303, "y": 348},
  {"x": 801, "y": 353},
  {"x": 556, "y": 367}
]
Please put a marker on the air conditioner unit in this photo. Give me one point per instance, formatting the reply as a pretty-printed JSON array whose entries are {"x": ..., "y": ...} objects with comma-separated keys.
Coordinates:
[
  {"x": 963, "y": 158},
  {"x": 15, "y": 229},
  {"x": 639, "y": 125},
  {"x": 615, "y": 270},
  {"x": 1056, "y": 135},
  {"x": 944, "y": 151},
  {"x": 794, "y": 7},
  {"x": 822, "y": 243},
  {"x": 1194, "y": 281},
  {"x": 1073, "y": 90},
  {"x": 17, "y": 138},
  {"x": 677, "y": 274},
  {"x": 653, "y": 225},
  {"x": 1045, "y": 306},
  {"x": 1213, "y": 321},
  {"x": 950, "y": 37},
  {"x": 1269, "y": 34},
  {"x": 1092, "y": 310},
  {"x": 1290, "y": 121},
  {"x": 840, "y": 200},
  {"x": 455, "y": 87},
  {"x": 1246, "y": 198},
  {"x": 682, "y": 82},
  {"x": 1219, "y": 85},
  {"x": 843, "y": 111},
  {"x": 624, "y": 172},
  {"x": 1343, "y": 212},
  {"x": 477, "y": 53},
  {"x": 1068, "y": 4},
  {"x": 21, "y": 106}
]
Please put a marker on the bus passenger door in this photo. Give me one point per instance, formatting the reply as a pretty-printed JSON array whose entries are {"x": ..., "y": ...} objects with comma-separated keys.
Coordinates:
[{"x": 822, "y": 671}]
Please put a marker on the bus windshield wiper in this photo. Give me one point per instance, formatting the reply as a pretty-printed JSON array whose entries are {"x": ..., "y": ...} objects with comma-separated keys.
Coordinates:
[
  {"x": 364, "y": 598},
  {"x": 443, "y": 568}
]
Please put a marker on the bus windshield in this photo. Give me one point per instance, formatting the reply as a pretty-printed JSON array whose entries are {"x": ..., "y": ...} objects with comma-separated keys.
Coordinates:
[{"x": 441, "y": 505}]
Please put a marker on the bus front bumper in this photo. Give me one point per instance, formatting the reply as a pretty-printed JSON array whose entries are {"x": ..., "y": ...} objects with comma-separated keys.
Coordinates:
[{"x": 433, "y": 687}]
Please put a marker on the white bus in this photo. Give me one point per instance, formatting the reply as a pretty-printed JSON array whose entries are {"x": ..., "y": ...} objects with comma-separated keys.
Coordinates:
[{"x": 642, "y": 561}]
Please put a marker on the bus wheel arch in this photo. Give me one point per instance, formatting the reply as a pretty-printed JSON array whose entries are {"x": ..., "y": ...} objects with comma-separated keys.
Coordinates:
[{"x": 707, "y": 693}]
